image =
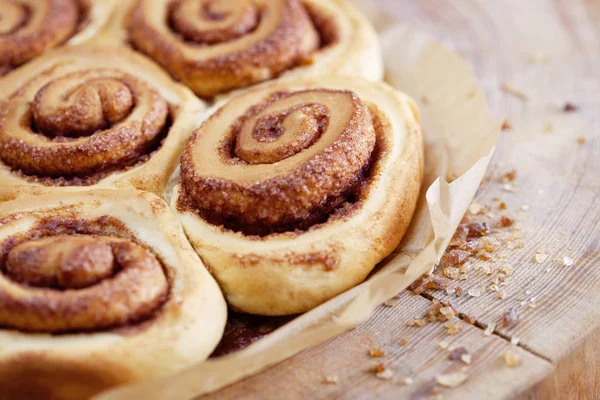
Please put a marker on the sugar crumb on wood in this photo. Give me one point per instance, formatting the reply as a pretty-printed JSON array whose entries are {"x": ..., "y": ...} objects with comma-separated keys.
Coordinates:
[{"x": 510, "y": 89}]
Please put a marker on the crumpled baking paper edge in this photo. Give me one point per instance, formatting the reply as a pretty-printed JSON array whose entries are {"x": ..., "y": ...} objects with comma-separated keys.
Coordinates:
[{"x": 453, "y": 106}]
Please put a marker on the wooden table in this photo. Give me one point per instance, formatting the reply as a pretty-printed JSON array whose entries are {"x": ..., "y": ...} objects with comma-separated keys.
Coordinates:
[{"x": 532, "y": 57}]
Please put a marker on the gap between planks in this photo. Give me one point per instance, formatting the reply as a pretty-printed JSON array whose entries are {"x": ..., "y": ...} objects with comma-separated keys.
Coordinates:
[{"x": 481, "y": 326}]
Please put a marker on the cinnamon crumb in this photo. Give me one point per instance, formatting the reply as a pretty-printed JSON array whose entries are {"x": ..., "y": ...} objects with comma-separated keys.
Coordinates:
[
  {"x": 436, "y": 283},
  {"x": 506, "y": 125},
  {"x": 570, "y": 107},
  {"x": 475, "y": 208},
  {"x": 511, "y": 317},
  {"x": 567, "y": 261},
  {"x": 447, "y": 312},
  {"x": 506, "y": 221},
  {"x": 452, "y": 379},
  {"x": 375, "y": 352},
  {"x": 406, "y": 380},
  {"x": 505, "y": 270},
  {"x": 457, "y": 353},
  {"x": 453, "y": 327},
  {"x": 506, "y": 87},
  {"x": 491, "y": 244},
  {"x": 515, "y": 245},
  {"x": 418, "y": 290},
  {"x": 382, "y": 372},
  {"x": 378, "y": 368},
  {"x": 479, "y": 228},
  {"x": 511, "y": 358},
  {"x": 387, "y": 374},
  {"x": 508, "y": 176},
  {"x": 391, "y": 302},
  {"x": 532, "y": 303},
  {"x": 451, "y": 272}
]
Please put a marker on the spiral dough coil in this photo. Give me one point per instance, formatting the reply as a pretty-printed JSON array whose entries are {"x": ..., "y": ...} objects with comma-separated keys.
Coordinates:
[
  {"x": 89, "y": 280},
  {"x": 92, "y": 115},
  {"x": 215, "y": 46},
  {"x": 293, "y": 192},
  {"x": 30, "y": 27}
]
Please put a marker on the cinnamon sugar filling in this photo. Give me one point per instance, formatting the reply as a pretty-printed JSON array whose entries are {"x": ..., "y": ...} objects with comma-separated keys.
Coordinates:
[
  {"x": 81, "y": 127},
  {"x": 28, "y": 28},
  {"x": 215, "y": 46},
  {"x": 324, "y": 185},
  {"x": 69, "y": 275}
]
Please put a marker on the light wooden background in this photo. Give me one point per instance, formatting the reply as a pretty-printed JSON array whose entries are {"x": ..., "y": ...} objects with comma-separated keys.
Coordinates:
[{"x": 549, "y": 50}]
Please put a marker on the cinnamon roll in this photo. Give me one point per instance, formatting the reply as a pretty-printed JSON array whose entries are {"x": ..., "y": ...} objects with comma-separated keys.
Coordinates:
[
  {"x": 291, "y": 193},
  {"x": 214, "y": 46},
  {"x": 30, "y": 27},
  {"x": 93, "y": 115},
  {"x": 98, "y": 289}
]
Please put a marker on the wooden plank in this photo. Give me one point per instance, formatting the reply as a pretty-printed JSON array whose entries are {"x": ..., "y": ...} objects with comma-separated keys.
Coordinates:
[
  {"x": 558, "y": 177},
  {"x": 421, "y": 358},
  {"x": 577, "y": 374}
]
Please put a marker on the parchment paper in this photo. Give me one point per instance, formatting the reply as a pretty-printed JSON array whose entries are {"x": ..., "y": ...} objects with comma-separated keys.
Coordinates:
[{"x": 460, "y": 134}]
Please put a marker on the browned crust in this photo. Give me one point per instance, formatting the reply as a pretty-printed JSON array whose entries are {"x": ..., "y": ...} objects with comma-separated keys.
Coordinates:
[
  {"x": 327, "y": 260},
  {"x": 294, "y": 271},
  {"x": 134, "y": 290},
  {"x": 387, "y": 229},
  {"x": 105, "y": 149},
  {"x": 79, "y": 364},
  {"x": 288, "y": 45},
  {"x": 58, "y": 25},
  {"x": 296, "y": 197}
]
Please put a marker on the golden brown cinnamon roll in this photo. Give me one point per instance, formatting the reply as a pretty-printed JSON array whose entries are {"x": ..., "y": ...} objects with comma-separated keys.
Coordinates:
[
  {"x": 92, "y": 115},
  {"x": 30, "y": 27},
  {"x": 214, "y": 46},
  {"x": 97, "y": 289},
  {"x": 291, "y": 193}
]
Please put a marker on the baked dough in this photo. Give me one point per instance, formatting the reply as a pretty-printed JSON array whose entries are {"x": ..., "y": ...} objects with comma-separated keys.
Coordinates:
[
  {"x": 99, "y": 288},
  {"x": 292, "y": 192},
  {"x": 93, "y": 115},
  {"x": 30, "y": 27},
  {"x": 217, "y": 46}
]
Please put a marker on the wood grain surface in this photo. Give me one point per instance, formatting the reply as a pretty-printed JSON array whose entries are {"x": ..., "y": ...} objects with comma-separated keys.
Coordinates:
[{"x": 532, "y": 58}]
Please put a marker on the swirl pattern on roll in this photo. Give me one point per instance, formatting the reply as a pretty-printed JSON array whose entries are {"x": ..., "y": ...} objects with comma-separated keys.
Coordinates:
[
  {"x": 294, "y": 191},
  {"x": 286, "y": 161},
  {"x": 29, "y": 27},
  {"x": 90, "y": 279},
  {"x": 217, "y": 45},
  {"x": 65, "y": 283},
  {"x": 80, "y": 123}
]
